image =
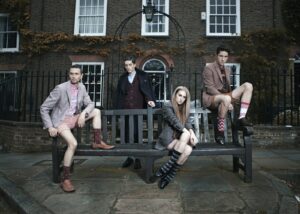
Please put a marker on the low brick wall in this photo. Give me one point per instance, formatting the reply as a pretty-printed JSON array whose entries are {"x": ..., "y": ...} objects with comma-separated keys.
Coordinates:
[
  {"x": 23, "y": 137},
  {"x": 30, "y": 137},
  {"x": 276, "y": 136}
]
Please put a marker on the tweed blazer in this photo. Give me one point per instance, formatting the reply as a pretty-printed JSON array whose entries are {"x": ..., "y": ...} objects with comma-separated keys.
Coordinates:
[
  {"x": 58, "y": 103},
  {"x": 213, "y": 82},
  {"x": 172, "y": 125},
  {"x": 145, "y": 88}
]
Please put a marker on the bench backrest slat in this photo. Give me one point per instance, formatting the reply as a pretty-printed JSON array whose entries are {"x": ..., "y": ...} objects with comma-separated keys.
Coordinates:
[
  {"x": 114, "y": 122},
  {"x": 140, "y": 130}
]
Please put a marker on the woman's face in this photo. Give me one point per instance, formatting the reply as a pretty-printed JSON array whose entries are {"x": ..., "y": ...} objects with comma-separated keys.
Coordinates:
[{"x": 180, "y": 97}]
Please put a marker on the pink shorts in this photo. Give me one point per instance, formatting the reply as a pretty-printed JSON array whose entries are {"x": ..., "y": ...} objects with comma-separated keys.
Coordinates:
[{"x": 69, "y": 122}]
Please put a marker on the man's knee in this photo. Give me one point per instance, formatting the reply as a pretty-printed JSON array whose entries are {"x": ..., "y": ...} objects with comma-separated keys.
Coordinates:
[
  {"x": 226, "y": 100},
  {"x": 72, "y": 144},
  {"x": 248, "y": 86},
  {"x": 97, "y": 112}
]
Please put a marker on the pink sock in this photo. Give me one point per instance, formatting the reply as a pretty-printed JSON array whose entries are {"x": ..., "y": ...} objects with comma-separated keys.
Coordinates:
[
  {"x": 221, "y": 124},
  {"x": 244, "y": 109}
]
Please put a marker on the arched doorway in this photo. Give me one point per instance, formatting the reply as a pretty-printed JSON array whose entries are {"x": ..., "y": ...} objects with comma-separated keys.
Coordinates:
[{"x": 156, "y": 70}]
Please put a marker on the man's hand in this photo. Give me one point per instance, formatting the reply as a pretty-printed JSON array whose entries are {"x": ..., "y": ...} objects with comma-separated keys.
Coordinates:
[
  {"x": 151, "y": 104},
  {"x": 52, "y": 132},
  {"x": 81, "y": 120},
  {"x": 230, "y": 107}
]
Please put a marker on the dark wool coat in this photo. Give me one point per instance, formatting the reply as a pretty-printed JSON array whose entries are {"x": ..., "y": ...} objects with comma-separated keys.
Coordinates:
[
  {"x": 172, "y": 125},
  {"x": 145, "y": 88}
]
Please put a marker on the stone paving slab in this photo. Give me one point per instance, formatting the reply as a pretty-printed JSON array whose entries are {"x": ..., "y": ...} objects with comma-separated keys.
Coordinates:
[{"x": 203, "y": 185}]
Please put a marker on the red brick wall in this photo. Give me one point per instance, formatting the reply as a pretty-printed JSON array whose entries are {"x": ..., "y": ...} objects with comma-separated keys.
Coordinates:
[{"x": 30, "y": 137}]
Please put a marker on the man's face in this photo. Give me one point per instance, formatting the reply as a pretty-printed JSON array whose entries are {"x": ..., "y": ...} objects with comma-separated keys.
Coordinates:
[
  {"x": 75, "y": 75},
  {"x": 222, "y": 57},
  {"x": 129, "y": 66}
]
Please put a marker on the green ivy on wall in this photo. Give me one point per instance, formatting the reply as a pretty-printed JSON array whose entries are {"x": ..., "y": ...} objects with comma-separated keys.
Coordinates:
[{"x": 19, "y": 12}]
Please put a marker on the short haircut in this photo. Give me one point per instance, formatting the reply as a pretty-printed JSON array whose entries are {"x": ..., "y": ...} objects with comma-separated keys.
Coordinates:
[
  {"x": 222, "y": 48},
  {"x": 76, "y": 66},
  {"x": 130, "y": 58}
]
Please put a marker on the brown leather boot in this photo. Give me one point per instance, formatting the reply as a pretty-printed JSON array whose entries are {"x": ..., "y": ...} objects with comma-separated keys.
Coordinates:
[
  {"x": 98, "y": 142},
  {"x": 66, "y": 183},
  {"x": 102, "y": 145},
  {"x": 67, "y": 186}
]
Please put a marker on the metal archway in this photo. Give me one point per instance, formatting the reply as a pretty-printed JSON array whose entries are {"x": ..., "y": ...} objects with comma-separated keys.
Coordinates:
[{"x": 179, "y": 29}]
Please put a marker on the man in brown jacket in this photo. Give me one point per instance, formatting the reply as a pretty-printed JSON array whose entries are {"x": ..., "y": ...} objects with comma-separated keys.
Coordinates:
[{"x": 217, "y": 93}]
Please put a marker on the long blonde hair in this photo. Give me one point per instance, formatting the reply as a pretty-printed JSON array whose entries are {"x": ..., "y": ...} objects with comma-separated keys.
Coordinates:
[{"x": 182, "y": 112}]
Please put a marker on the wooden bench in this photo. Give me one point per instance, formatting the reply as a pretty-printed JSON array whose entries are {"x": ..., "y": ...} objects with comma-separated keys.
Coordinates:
[{"x": 150, "y": 124}]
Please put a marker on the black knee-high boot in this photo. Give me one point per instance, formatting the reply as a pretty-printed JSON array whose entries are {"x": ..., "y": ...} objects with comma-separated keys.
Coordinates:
[
  {"x": 164, "y": 169},
  {"x": 164, "y": 181}
]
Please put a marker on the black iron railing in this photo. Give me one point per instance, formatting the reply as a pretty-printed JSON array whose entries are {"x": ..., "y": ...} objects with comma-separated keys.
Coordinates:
[{"x": 276, "y": 96}]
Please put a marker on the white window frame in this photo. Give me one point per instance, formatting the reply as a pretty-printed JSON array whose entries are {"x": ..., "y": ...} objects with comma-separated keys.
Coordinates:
[
  {"x": 76, "y": 23},
  {"x": 164, "y": 73},
  {"x": 93, "y": 94},
  {"x": 145, "y": 23},
  {"x": 238, "y": 20},
  {"x": 16, "y": 49}
]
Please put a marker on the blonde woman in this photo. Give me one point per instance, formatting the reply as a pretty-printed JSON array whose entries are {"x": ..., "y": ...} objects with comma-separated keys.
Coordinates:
[{"x": 177, "y": 136}]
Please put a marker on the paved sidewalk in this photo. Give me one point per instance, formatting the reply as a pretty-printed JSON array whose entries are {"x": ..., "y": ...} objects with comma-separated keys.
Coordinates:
[{"x": 204, "y": 185}]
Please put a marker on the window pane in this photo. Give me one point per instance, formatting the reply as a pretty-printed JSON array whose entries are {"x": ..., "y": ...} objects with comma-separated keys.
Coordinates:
[
  {"x": 219, "y": 10},
  {"x": 226, "y": 2},
  {"x": 232, "y": 29},
  {"x": 233, "y": 10},
  {"x": 226, "y": 10},
  {"x": 3, "y": 23},
  {"x": 219, "y": 2},
  {"x": 82, "y": 2},
  {"x": 232, "y": 19},
  {"x": 88, "y": 3},
  {"x": 219, "y": 28},
  {"x": 212, "y": 28},
  {"x": 213, "y": 9},
  {"x": 232, "y": 2},
  {"x": 226, "y": 28},
  {"x": 219, "y": 19},
  {"x": 12, "y": 40},
  {"x": 212, "y": 2},
  {"x": 212, "y": 19},
  {"x": 226, "y": 19},
  {"x": 95, "y": 3},
  {"x": 161, "y": 8}
]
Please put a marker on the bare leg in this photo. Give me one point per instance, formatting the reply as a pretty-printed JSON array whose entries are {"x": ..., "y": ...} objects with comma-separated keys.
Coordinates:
[
  {"x": 245, "y": 92},
  {"x": 66, "y": 183},
  {"x": 72, "y": 144},
  {"x": 95, "y": 115}
]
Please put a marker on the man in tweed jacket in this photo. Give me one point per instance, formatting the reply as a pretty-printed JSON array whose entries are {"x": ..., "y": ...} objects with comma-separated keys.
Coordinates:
[{"x": 217, "y": 93}]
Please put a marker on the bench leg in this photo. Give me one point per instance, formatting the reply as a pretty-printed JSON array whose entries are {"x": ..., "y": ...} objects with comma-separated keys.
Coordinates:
[
  {"x": 55, "y": 162},
  {"x": 248, "y": 159},
  {"x": 236, "y": 164},
  {"x": 149, "y": 166}
]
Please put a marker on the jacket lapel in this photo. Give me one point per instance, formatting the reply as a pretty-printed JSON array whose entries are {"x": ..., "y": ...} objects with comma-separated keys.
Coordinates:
[{"x": 217, "y": 68}]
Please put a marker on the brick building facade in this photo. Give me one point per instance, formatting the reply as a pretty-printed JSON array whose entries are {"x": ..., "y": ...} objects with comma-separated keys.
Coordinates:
[{"x": 158, "y": 53}]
